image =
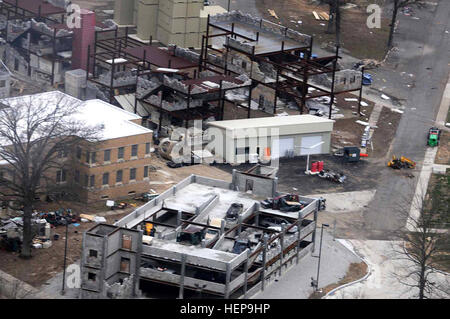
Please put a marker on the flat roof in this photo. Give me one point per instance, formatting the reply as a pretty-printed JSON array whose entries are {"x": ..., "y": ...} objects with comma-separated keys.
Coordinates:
[
  {"x": 197, "y": 251},
  {"x": 212, "y": 10},
  {"x": 270, "y": 122},
  {"x": 195, "y": 194},
  {"x": 214, "y": 79},
  {"x": 115, "y": 122},
  {"x": 159, "y": 57}
]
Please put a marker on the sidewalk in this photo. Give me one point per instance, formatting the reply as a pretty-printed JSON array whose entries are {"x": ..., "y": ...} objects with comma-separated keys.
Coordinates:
[
  {"x": 387, "y": 269},
  {"x": 295, "y": 283}
]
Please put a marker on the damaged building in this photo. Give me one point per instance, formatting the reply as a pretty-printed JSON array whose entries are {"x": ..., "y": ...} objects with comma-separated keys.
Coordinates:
[
  {"x": 38, "y": 41},
  {"x": 247, "y": 67},
  {"x": 223, "y": 238}
]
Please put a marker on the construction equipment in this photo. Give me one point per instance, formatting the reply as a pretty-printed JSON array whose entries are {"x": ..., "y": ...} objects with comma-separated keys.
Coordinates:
[
  {"x": 332, "y": 176},
  {"x": 434, "y": 135},
  {"x": 284, "y": 203},
  {"x": 233, "y": 211},
  {"x": 402, "y": 162},
  {"x": 149, "y": 229}
]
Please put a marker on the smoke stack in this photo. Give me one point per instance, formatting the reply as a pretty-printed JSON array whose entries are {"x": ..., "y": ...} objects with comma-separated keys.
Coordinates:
[{"x": 83, "y": 37}]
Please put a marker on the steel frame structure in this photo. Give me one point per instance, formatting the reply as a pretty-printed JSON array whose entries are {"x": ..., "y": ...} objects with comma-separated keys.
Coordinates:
[
  {"x": 289, "y": 74},
  {"x": 107, "y": 49},
  {"x": 13, "y": 11}
]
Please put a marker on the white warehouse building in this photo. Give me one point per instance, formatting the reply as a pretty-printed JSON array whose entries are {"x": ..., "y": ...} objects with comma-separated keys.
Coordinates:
[{"x": 277, "y": 137}]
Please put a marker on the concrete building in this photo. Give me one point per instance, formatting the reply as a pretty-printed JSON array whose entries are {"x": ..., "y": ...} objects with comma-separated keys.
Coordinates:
[
  {"x": 279, "y": 136},
  {"x": 113, "y": 167},
  {"x": 179, "y": 22},
  {"x": 184, "y": 247},
  {"x": 110, "y": 255}
]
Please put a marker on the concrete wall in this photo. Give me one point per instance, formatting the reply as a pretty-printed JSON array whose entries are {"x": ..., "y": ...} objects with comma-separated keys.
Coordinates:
[
  {"x": 110, "y": 251},
  {"x": 258, "y": 145},
  {"x": 5, "y": 84},
  {"x": 265, "y": 187},
  {"x": 147, "y": 19},
  {"x": 124, "y": 12}
]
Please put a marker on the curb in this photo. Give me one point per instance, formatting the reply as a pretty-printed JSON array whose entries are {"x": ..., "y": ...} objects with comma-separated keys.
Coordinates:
[{"x": 353, "y": 282}]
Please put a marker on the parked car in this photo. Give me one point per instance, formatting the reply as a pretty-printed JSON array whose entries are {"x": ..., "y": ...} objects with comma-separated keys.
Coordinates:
[
  {"x": 233, "y": 211},
  {"x": 240, "y": 245},
  {"x": 192, "y": 235},
  {"x": 174, "y": 165},
  {"x": 272, "y": 222},
  {"x": 146, "y": 197}
]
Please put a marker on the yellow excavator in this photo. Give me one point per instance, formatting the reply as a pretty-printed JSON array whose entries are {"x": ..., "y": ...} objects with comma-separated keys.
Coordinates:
[{"x": 402, "y": 162}]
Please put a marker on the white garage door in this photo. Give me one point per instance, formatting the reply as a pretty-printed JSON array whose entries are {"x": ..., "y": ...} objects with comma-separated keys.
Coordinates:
[
  {"x": 308, "y": 141},
  {"x": 284, "y": 145}
]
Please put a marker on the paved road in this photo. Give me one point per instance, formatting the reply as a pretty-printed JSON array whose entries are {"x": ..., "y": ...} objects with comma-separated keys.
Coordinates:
[
  {"x": 424, "y": 52},
  {"x": 296, "y": 282}
]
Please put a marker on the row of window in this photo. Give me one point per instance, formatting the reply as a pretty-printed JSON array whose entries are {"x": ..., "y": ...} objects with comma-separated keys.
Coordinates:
[
  {"x": 91, "y": 157},
  {"x": 89, "y": 181}
]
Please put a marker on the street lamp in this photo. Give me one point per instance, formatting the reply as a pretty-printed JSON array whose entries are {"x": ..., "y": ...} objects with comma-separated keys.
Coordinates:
[
  {"x": 307, "y": 155},
  {"x": 65, "y": 257},
  {"x": 316, "y": 282}
]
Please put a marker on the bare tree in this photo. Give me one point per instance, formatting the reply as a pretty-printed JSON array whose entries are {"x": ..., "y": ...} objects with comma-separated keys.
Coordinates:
[
  {"x": 397, "y": 5},
  {"x": 334, "y": 17},
  {"x": 424, "y": 241},
  {"x": 33, "y": 133}
]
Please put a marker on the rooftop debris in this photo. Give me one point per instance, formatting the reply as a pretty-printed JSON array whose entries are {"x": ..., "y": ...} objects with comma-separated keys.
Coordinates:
[{"x": 273, "y": 13}]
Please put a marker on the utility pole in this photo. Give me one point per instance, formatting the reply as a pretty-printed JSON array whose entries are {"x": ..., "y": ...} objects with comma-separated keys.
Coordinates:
[
  {"x": 320, "y": 253},
  {"x": 65, "y": 257}
]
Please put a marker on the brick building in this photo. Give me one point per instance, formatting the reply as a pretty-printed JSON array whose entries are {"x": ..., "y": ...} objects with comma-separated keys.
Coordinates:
[{"x": 116, "y": 165}]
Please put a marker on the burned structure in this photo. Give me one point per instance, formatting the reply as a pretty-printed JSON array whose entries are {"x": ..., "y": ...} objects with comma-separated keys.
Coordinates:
[
  {"x": 279, "y": 61},
  {"x": 247, "y": 67},
  {"x": 208, "y": 233},
  {"x": 37, "y": 42}
]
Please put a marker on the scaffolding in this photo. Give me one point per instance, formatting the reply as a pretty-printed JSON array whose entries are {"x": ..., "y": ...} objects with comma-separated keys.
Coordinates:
[{"x": 116, "y": 51}]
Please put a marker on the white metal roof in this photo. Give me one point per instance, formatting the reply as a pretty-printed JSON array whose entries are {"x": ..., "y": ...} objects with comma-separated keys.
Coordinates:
[
  {"x": 115, "y": 121},
  {"x": 270, "y": 122}
]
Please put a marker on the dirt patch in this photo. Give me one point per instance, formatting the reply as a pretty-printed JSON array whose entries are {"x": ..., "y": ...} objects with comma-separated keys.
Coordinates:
[
  {"x": 46, "y": 263},
  {"x": 443, "y": 153},
  {"x": 356, "y": 37},
  {"x": 346, "y": 132},
  {"x": 165, "y": 177},
  {"x": 384, "y": 133},
  {"x": 355, "y": 271}
]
